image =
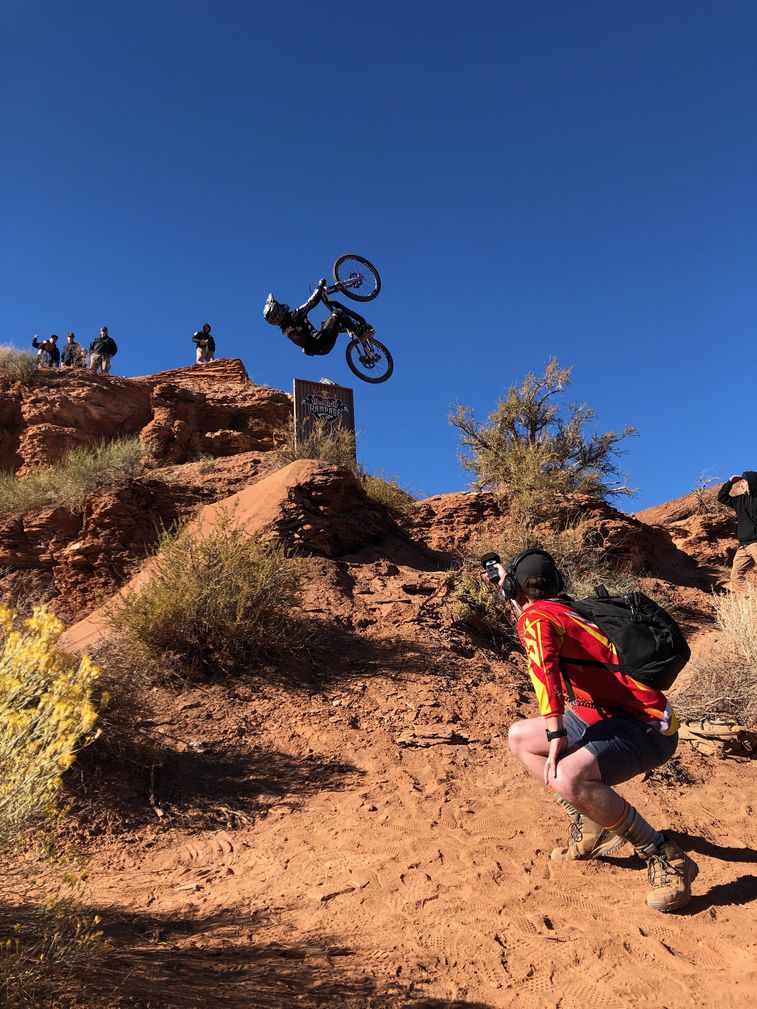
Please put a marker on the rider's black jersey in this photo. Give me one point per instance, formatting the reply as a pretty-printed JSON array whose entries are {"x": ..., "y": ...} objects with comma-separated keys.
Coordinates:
[{"x": 303, "y": 328}]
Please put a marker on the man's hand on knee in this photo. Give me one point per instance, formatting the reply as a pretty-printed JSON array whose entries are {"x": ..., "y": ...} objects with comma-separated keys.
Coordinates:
[{"x": 556, "y": 748}]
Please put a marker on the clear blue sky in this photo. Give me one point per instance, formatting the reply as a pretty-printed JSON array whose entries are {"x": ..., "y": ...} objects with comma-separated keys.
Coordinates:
[{"x": 532, "y": 178}]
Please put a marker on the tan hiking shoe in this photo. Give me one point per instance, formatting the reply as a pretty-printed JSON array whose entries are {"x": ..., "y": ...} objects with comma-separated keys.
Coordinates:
[
  {"x": 670, "y": 874},
  {"x": 587, "y": 840}
]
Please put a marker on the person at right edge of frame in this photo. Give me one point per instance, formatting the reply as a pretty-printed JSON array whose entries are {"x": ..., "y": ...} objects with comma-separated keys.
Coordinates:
[
  {"x": 740, "y": 493},
  {"x": 616, "y": 730}
]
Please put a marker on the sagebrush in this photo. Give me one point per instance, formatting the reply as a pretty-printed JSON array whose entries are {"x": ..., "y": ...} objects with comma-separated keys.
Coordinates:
[
  {"x": 218, "y": 602},
  {"x": 43, "y": 942},
  {"x": 533, "y": 447},
  {"x": 387, "y": 492},
  {"x": 80, "y": 472}
]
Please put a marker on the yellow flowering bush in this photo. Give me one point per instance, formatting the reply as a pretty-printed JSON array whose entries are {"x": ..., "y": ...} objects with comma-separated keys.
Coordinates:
[
  {"x": 40, "y": 942},
  {"x": 46, "y": 715}
]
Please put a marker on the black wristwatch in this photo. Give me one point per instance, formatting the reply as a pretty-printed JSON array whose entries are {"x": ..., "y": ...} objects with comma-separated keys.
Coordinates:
[{"x": 556, "y": 734}]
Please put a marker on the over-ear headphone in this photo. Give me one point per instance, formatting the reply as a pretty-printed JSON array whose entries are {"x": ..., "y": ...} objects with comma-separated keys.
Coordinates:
[{"x": 510, "y": 582}]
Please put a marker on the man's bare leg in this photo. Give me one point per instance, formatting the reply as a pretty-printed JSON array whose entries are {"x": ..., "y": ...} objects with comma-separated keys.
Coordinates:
[
  {"x": 578, "y": 782},
  {"x": 579, "y": 779}
]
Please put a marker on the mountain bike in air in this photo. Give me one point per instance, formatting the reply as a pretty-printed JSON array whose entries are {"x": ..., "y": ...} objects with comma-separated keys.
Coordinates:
[
  {"x": 359, "y": 280},
  {"x": 367, "y": 357}
]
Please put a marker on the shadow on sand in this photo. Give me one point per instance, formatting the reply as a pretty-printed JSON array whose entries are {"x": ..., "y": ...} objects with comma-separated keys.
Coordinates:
[
  {"x": 221, "y": 962},
  {"x": 206, "y": 787}
]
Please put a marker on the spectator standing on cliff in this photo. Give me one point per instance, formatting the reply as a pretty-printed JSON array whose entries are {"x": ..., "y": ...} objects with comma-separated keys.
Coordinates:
[
  {"x": 206, "y": 345},
  {"x": 101, "y": 350},
  {"x": 72, "y": 355},
  {"x": 48, "y": 355},
  {"x": 740, "y": 493}
]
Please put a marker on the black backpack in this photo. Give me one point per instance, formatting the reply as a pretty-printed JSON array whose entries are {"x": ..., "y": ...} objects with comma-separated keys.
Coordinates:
[{"x": 650, "y": 645}]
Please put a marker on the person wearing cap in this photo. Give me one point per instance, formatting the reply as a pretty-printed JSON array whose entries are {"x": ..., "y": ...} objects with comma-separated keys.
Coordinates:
[
  {"x": 206, "y": 345},
  {"x": 72, "y": 355},
  {"x": 48, "y": 355},
  {"x": 740, "y": 493},
  {"x": 616, "y": 729}
]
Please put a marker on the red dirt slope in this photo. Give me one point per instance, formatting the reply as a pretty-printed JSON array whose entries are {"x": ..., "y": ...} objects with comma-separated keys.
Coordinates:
[
  {"x": 349, "y": 829},
  {"x": 359, "y": 835}
]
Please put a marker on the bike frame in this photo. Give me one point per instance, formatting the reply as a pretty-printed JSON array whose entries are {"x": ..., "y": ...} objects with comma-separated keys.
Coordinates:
[{"x": 352, "y": 282}]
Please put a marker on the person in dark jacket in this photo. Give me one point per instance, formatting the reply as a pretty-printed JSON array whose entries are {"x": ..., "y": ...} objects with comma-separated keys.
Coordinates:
[
  {"x": 740, "y": 493},
  {"x": 101, "y": 350},
  {"x": 72, "y": 355},
  {"x": 206, "y": 345},
  {"x": 296, "y": 326},
  {"x": 48, "y": 355}
]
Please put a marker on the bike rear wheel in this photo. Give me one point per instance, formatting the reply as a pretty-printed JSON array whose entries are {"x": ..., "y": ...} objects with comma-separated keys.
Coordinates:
[
  {"x": 369, "y": 360},
  {"x": 357, "y": 277}
]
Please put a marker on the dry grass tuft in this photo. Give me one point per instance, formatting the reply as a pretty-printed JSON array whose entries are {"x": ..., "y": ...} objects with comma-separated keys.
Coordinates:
[
  {"x": 77, "y": 475},
  {"x": 325, "y": 442},
  {"x": 16, "y": 365},
  {"x": 723, "y": 679},
  {"x": 336, "y": 445}
]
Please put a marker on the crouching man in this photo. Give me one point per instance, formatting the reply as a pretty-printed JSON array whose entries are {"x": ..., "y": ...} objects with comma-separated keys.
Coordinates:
[{"x": 615, "y": 730}]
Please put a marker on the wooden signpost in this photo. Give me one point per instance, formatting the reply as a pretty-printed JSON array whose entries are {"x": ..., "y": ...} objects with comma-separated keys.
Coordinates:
[{"x": 321, "y": 403}]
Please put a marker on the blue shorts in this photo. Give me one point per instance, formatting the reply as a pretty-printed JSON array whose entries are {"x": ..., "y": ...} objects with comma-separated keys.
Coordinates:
[{"x": 624, "y": 747}]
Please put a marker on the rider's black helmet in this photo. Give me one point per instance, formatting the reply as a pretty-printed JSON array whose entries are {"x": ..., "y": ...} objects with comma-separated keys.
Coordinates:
[{"x": 274, "y": 311}]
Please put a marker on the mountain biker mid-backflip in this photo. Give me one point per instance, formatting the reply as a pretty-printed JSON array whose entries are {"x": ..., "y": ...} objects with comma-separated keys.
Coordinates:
[{"x": 295, "y": 325}]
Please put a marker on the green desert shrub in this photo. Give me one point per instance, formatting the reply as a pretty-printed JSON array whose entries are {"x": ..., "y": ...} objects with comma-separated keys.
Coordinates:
[
  {"x": 722, "y": 678},
  {"x": 221, "y": 602},
  {"x": 80, "y": 472},
  {"x": 16, "y": 365}
]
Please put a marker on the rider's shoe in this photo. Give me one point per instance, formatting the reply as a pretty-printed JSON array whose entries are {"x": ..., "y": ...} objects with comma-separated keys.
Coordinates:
[
  {"x": 365, "y": 332},
  {"x": 587, "y": 840},
  {"x": 670, "y": 873}
]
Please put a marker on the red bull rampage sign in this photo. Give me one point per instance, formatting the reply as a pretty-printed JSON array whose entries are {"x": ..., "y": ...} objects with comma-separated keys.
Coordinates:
[{"x": 320, "y": 403}]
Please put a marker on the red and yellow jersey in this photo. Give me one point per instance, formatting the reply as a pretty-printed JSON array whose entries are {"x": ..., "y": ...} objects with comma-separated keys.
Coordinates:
[{"x": 550, "y": 630}]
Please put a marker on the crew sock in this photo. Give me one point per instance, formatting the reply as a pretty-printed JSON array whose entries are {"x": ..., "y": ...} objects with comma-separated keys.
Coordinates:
[
  {"x": 635, "y": 829},
  {"x": 564, "y": 803}
]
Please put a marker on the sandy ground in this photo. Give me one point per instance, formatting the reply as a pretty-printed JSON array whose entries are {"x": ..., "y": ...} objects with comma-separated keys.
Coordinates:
[
  {"x": 358, "y": 871},
  {"x": 364, "y": 839}
]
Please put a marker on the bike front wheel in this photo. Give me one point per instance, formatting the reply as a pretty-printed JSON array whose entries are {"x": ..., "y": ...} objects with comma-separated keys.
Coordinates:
[
  {"x": 369, "y": 360},
  {"x": 357, "y": 277}
]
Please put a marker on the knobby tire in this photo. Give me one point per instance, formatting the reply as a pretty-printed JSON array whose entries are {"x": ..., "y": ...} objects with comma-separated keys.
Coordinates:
[
  {"x": 372, "y": 282},
  {"x": 354, "y": 347}
]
